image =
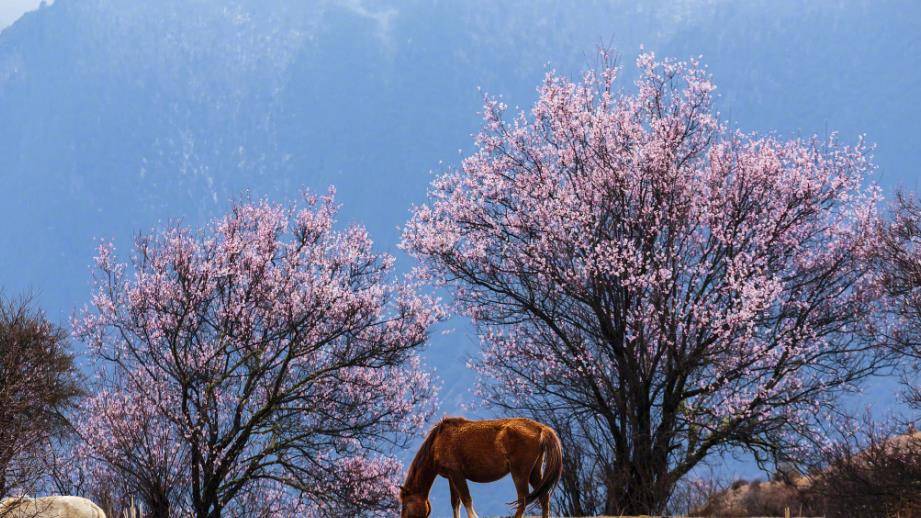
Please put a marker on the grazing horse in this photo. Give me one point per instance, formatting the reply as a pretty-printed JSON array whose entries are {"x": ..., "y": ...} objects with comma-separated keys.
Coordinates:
[
  {"x": 50, "y": 507},
  {"x": 484, "y": 451}
]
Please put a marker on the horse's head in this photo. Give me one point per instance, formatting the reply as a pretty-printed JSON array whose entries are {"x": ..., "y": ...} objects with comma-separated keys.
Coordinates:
[{"x": 414, "y": 505}]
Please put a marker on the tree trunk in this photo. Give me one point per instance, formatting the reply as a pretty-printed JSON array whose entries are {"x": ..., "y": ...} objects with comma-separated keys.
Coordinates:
[
  {"x": 158, "y": 507},
  {"x": 628, "y": 493}
]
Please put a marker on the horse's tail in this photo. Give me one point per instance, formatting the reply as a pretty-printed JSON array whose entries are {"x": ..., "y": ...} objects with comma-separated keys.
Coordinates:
[{"x": 553, "y": 456}]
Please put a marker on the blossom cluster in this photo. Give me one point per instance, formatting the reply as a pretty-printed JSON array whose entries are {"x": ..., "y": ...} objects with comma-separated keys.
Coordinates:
[
  {"x": 261, "y": 358},
  {"x": 626, "y": 249}
]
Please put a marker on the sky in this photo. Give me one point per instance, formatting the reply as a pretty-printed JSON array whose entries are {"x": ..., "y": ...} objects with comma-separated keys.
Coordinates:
[
  {"x": 119, "y": 116},
  {"x": 11, "y": 10}
]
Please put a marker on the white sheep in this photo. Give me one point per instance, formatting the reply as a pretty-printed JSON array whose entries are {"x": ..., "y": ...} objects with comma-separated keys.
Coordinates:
[{"x": 50, "y": 507}]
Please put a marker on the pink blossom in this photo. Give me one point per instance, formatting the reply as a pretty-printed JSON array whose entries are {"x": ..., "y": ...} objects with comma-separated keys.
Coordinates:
[
  {"x": 265, "y": 359},
  {"x": 631, "y": 260}
]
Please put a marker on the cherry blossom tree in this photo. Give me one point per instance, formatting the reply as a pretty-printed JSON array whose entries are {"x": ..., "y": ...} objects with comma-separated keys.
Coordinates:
[
  {"x": 263, "y": 365},
  {"x": 661, "y": 286}
]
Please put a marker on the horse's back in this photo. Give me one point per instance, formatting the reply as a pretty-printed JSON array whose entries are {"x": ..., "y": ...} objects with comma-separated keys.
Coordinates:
[
  {"x": 516, "y": 429},
  {"x": 51, "y": 507},
  {"x": 483, "y": 450},
  {"x": 475, "y": 433},
  {"x": 520, "y": 424}
]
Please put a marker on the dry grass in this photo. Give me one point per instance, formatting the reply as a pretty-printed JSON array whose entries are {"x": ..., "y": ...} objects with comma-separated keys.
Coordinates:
[{"x": 672, "y": 516}]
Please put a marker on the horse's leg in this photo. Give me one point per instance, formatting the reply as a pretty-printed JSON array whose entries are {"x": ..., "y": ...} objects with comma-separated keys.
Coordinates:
[
  {"x": 535, "y": 481},
  {"x": 520, "y": 477},
  {"x": 455, "y": 499},
  {"x": 461, "y": 484}
]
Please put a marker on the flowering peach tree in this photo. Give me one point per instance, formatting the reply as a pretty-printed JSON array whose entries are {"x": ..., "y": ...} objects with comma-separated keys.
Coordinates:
[
  {"x": 897, "y": 254},
  {"x": 659, "y": 286},
  {"x": 265, "y": 365}
]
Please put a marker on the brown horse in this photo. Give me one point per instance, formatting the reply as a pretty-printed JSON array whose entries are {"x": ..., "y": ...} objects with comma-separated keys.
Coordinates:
[{"x": 484, "y": 451}]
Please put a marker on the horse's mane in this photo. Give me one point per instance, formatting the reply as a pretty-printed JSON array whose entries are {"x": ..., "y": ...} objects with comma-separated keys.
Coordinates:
[{"x": 423, "y": 457}]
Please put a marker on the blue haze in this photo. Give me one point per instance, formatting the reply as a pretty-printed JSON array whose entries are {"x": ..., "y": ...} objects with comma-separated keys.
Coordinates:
[{"x": 117, "y": 116}]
